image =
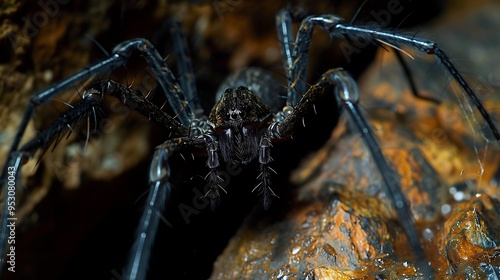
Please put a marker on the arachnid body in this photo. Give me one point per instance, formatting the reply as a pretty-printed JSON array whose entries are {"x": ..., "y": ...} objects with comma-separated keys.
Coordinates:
[{"x": 241, "y": 128}]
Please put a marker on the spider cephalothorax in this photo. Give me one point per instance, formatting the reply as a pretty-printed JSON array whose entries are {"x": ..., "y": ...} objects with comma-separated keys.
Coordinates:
[{"x": 240, "y": 119}]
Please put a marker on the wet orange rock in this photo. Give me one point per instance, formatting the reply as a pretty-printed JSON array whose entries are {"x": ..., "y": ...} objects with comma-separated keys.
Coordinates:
[
  {"x": 342, "y": 226},
  {"x": 338, "y": 237},
  {"x": 471, "y": 245}
]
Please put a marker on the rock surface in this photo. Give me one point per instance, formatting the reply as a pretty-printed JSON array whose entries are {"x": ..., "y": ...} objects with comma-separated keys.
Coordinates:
[{"x": 341, "y": 225}]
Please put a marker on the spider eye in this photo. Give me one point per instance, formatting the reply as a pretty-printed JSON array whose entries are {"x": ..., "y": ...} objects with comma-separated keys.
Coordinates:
[{"x": 236, "y": 114}]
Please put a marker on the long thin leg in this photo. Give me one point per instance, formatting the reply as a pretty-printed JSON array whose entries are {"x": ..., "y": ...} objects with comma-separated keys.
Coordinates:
[
  {"x": 294, "y": 57},
  {"x": 120, "y": 56},
  {"x": 111, "y": 63},
  {"x": 138, "y": 102},
  {"x": 349, "y": 102},
  {"x": 91, "y": 103},
  {"x": 160, "y": 187},
  {"x": 335, "y": 27},
  {"x": 43, "y": 139},
  {"x": 427, "y": 47},
  {"x": 159, "y": 175},
  {"x": 165, "y": 77},
  {"x": 346, "y": 92},
  {"x": 121, "y": 53},
  {"x": 411, "y": 81},
  {"x": 185, "y": 69}
]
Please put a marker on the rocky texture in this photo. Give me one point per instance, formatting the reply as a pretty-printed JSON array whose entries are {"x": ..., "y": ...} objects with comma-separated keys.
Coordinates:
[{"x": 341, "y": 225}]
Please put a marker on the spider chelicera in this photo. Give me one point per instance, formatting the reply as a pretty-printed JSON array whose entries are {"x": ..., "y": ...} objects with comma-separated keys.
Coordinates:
[{"x": 240, "y": 129}]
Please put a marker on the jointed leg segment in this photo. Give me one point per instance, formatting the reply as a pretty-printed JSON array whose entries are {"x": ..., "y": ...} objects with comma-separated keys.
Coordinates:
[
  {"x": 183, "y": 100},
  {"x": 91, "y": 102},
  {"x": 347, "y": 95},
  {"x": 296, "y": 54}
]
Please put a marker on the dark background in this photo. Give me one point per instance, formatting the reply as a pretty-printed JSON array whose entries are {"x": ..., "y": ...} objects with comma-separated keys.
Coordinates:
[{"x": 86, "y": 231}]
